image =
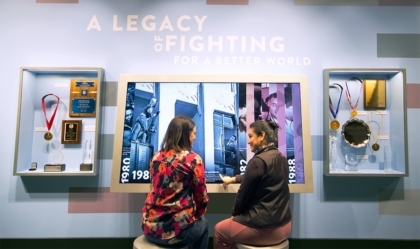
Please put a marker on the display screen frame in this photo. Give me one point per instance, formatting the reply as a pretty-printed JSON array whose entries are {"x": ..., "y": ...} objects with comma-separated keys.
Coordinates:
[{"x": 150, "y": 80}]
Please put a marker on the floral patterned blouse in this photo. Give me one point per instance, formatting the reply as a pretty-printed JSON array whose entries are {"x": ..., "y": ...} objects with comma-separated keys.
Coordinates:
[{"x": 177, "y": 195}]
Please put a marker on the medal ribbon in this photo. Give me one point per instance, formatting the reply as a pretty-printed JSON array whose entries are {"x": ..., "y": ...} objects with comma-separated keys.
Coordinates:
[
  {"x": 51, "y": 121},
  {"x": 334, "y": 113},
  {"x": 348, "y": 92}
]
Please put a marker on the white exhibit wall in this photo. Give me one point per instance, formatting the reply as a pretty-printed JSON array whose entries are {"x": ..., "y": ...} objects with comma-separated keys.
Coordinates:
[{"x": 264, "y": 37}]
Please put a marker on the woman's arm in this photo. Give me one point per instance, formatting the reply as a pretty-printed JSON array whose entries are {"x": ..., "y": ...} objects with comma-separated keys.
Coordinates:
[
  {"x": 199, "y": 186},
  {"x": 229, "y": 180}
]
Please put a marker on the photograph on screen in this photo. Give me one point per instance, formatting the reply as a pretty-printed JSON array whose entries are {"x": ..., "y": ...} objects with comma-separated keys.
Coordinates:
[{"x": 222, "y": 113}]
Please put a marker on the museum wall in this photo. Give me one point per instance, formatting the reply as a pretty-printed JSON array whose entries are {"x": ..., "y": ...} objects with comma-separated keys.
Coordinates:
[{"x": 208, "y": 37}]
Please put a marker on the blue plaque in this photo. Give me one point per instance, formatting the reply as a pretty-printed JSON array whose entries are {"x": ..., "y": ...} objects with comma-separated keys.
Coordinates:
[{"x": 83, "y": 106}]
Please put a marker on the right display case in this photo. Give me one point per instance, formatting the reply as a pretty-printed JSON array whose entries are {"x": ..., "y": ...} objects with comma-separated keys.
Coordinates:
[{"x": 365, "y": 122}]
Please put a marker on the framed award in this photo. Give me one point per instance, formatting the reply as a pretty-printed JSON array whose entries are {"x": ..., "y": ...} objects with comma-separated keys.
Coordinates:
[
  {"x": 374, "y": 93},
  {"x": 356, "y": 133},
  {"x": 71, "y": 131},
  {"x": 83, "y": 95}
]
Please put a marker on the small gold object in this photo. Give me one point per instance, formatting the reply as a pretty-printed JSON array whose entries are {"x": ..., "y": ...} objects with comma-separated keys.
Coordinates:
[
  {"x": 335, "y": 124},
  {"x": 353, "y": 113},
  {"x": 48, "y": 136},
  {"x": 375, "y": 147}
]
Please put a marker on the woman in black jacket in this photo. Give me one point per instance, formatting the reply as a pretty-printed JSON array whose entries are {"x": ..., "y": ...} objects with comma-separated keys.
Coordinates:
[{"x": 261, "y": 213}]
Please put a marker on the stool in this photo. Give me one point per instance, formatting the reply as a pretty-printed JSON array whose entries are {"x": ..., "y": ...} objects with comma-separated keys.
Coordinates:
[
  {"x": 142, "y": 243},
  {"x": 282, "y": 245}
]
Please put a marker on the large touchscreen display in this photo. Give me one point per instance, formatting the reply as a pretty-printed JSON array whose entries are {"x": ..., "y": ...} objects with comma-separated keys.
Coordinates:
[{"x": 222, "y": 113}]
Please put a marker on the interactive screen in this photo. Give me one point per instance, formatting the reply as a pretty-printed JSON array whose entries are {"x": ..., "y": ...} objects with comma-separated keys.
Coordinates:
[{"x": 222, "y": 112}]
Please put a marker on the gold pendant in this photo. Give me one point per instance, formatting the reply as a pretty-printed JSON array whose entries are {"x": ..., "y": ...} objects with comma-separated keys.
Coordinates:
[
  {"x": 48, "y": 136},
  {"x": 353, "y": 113},
  {"x": 335, "y": 124},
  {"x": 375, "y": 147}
]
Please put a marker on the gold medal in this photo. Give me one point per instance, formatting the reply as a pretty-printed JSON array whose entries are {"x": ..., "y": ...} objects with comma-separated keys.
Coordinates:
[
  {"x": 353, "y": 107},
  {"x": 375, "y": 147},
  {"x": 335, "y": 124},
  {"x": 48, "y": 136}
]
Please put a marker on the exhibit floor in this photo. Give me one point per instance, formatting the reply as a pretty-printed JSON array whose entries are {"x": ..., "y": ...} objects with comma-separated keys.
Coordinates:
[{"x": 127, "y": 243}]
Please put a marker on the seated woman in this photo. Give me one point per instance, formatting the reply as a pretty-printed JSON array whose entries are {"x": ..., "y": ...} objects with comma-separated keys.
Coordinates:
[
  {"x": 261, "y": 214},
  {"x": 173, "y": 215}
]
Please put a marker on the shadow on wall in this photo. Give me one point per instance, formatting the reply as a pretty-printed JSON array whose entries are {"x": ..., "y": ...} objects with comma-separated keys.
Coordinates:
[
  {"x": 359, "y": 189},
  {"x": 61, "y": 184}
]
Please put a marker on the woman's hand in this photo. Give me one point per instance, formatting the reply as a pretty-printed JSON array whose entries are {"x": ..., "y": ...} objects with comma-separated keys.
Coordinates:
[{"x": 227, "y": 180}]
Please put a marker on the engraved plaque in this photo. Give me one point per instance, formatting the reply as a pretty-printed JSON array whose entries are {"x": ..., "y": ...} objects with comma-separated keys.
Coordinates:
[
  {"x": 54, "y": 167},
  {"x": 83, "y": 95},
  {"x": 86, "y": 167},
  {"x": 71, "y": 131},
  {"x": 374, "y": 93}
]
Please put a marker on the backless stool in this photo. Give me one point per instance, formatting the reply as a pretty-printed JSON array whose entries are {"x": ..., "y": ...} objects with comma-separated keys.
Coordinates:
[
  {"x": 282, "y": 245},
  {"x": 142, "y": 243}
]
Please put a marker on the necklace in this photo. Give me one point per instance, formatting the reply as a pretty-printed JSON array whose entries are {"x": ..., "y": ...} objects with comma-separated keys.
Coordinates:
[
  {"x": 375, "y": 145},
  {"x": 49, "y": 122},
  {"x": 335, "y": 124},
  {"x": 348, "y": 96}
]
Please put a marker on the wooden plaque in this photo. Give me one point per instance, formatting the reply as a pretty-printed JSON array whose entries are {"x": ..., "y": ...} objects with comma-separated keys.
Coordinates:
[
  {"x": 71, "y": 131},
  {"x": 83, "y": 95}
]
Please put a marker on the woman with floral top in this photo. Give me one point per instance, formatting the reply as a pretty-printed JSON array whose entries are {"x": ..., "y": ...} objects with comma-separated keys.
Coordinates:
[{"x": 173, "y": 214}]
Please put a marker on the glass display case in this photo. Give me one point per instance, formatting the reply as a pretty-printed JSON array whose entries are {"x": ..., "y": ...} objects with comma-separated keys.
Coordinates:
[
  {"x": 58, "y": 121},
  {"x": 365, "y": 122}
]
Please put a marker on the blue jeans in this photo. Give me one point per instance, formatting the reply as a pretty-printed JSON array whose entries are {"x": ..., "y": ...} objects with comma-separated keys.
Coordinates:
[{"x": 195, "y": 236}]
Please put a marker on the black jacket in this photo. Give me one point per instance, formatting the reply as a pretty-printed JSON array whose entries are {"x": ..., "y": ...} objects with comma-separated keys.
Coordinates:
[{"x": 263, "y": 198}]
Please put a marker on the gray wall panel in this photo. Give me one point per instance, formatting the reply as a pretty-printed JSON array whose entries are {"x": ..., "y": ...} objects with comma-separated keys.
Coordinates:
[
  {"x": 398, "y": 45},
  {"x": 106, "y": 146},
  {"x": 110, "y": 90},
  {"x": 337, "y": 3},
  {"x": 399, "y": 3}
]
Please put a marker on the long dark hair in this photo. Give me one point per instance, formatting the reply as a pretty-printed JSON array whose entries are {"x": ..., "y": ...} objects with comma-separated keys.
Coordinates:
[
  {"x": 270, "y": 128},
  {"x": 177, "y": 136}
]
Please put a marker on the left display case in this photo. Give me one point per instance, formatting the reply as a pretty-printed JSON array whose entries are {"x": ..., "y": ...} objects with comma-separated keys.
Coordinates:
[{"x": 58, "y": 121}]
